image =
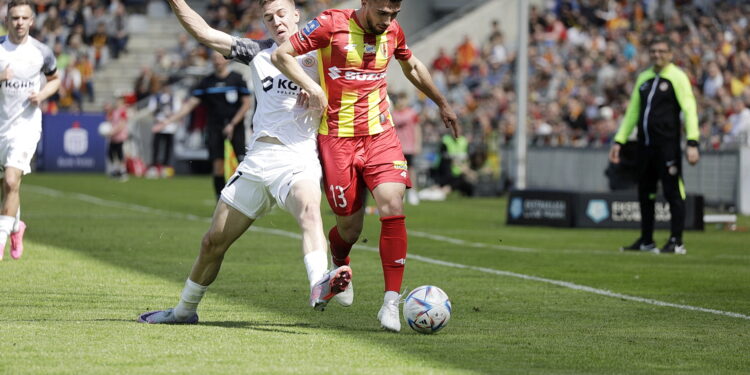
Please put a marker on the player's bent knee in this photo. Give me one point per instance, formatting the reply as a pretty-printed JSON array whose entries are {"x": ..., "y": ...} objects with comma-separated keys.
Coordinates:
[
  {"x": 213, "y": 245},
  {"x": 310, "y": 220},
  {"x": 11, "y": 184}
]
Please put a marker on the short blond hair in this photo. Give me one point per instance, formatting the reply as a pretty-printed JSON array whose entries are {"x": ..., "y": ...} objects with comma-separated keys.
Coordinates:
[{"x": 263, "y": 2}]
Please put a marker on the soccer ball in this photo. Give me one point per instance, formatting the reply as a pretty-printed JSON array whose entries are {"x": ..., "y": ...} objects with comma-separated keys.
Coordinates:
[
  {"x": 105, "y": 129},
  {"x": 427, "y": 309}
]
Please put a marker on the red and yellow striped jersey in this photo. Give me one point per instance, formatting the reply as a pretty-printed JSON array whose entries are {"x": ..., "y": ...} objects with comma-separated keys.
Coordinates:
[{"x": 352, "y": 65}]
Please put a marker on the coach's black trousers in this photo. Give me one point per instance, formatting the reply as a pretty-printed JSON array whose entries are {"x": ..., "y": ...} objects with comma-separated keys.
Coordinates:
[{"x": 661, "y": 162}]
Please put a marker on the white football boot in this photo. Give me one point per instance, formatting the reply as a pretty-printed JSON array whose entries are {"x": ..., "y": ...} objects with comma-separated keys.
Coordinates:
[
  {"x": 332, "y": 283},
  {"x": 345, "y": 298},
  {"x": 389, "y": 317}
]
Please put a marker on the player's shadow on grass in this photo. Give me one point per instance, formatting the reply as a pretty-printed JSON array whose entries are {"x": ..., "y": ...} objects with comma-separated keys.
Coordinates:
[
  {"x": 255, "y": 326},
  {"x": 258, "y": 326}
]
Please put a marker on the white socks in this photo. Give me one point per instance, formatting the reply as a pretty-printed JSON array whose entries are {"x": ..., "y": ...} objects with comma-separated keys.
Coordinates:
[
  {"x": 316, "y": 264},
  {"x": 189, "y": 300}
]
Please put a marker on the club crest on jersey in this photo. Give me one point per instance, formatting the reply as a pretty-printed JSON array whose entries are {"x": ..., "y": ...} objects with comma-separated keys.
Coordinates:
[
  {"x": 663, "y": 86},
  {"x": 400, "y": 164},
  {"x": 308, "y": 61}
]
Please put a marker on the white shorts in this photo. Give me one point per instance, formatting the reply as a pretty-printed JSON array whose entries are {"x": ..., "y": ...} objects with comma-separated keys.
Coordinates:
[
  {"x": 266, "y": 176},
  {"x": 17, "y": 152}
]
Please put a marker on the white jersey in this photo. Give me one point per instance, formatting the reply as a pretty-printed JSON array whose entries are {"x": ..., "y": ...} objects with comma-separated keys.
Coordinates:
[
  {"x": 276, "y": 113},
  {"x": 27, "y": 61}
]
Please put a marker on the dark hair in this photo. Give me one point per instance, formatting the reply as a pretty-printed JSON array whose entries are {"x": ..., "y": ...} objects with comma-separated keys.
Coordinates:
[
  {"x": 15, "y": 3},
  {"x": 659, "y": 39}
]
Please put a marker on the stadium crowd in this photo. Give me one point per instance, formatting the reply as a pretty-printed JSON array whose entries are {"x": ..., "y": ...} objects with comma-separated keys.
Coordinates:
[{"x": 584, "y": 57}]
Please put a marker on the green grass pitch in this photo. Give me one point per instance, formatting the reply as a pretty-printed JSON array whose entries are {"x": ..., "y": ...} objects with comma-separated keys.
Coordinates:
[{"x": 526, "y": 300}]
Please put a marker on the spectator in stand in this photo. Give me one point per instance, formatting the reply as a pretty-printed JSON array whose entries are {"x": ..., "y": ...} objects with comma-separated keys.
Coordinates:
[
  {"x": 442, "y": 62},
  {"x": 466, "y": 54},
  {"x": 118, "y": 31},
  {"x": 714, "y": 80},
  {"x": 94, "y": 19},
  {"x": 84, "y": 65},
  {"x": 70, "y": 89},
  {"x": 738, "y": 123},
  {"x": 63, "y": 57},
  {"x": 575, "y": 118},
  {"x": 100, "y": 42}
]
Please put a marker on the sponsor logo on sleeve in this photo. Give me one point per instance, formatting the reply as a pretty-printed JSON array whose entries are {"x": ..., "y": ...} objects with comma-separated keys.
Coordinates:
[{"x": 310, "y": 27}]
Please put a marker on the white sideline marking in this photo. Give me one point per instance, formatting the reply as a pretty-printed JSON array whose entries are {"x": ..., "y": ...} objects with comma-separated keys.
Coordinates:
[
  {"x": 283, "y": 233},
  {"x": 455, "y": 241}
]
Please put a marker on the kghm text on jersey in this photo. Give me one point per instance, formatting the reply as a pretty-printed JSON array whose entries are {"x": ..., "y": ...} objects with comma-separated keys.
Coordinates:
[
  {"x": 282, "y": 84},
  {"x": 16, "y": 84}
]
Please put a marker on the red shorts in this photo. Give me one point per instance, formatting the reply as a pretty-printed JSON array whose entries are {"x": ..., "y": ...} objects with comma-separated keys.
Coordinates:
[{"x": 352, "y": 163}]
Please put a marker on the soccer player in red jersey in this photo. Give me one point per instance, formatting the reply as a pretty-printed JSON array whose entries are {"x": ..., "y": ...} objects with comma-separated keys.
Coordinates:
[{"x": 358, "y": 145}]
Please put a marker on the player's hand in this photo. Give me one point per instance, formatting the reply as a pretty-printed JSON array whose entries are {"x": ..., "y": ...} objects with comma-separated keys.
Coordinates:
[
  {"x": 6, "y": 75},
  {"x": 34, "y": 99},
  {"x": 303, "y": 99},
  {"x": 614, "y": 153},
  {"x": 318, "y": 100},
  {"x": 450, "y": 120},
  {"x": 693, "y": 155},
  {"x": 228, "y": 131}
]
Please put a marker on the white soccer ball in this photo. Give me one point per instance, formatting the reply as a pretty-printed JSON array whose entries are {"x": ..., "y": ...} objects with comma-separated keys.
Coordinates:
[
  {"x": 105, "y": 129},
  {"x": 427, "y": 309}
]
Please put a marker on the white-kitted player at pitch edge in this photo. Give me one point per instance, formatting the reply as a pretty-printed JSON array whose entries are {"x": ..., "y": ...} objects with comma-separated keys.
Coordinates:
[
  {"x": 23, "y": 61},
  {"x": 281, "y": 165}
]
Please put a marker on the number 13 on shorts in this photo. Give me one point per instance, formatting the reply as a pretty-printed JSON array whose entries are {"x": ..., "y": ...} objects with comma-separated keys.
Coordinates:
[{"x": 337, "y": 196}]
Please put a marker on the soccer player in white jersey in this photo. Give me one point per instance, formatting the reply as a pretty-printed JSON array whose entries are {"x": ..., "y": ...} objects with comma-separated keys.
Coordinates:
[
  {"x": 281, "y": 165},
  {"x": 23, "y": 61}
]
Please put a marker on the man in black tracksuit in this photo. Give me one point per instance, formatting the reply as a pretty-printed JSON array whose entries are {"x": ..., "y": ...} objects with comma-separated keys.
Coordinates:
[
  {"x": 660, "y": 94},
  {"x": 227, "y": 99}
]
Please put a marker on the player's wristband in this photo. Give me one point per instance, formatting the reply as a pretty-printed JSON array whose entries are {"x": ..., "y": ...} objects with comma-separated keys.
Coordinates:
[{"x": 692, "y": 143}]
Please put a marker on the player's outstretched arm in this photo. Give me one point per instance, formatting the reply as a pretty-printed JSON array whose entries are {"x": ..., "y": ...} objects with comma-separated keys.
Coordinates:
[
  {"x": 420, "y": 77},
  {"x": 200, "y": 30},
  {"x": 284, "y": 60}
]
